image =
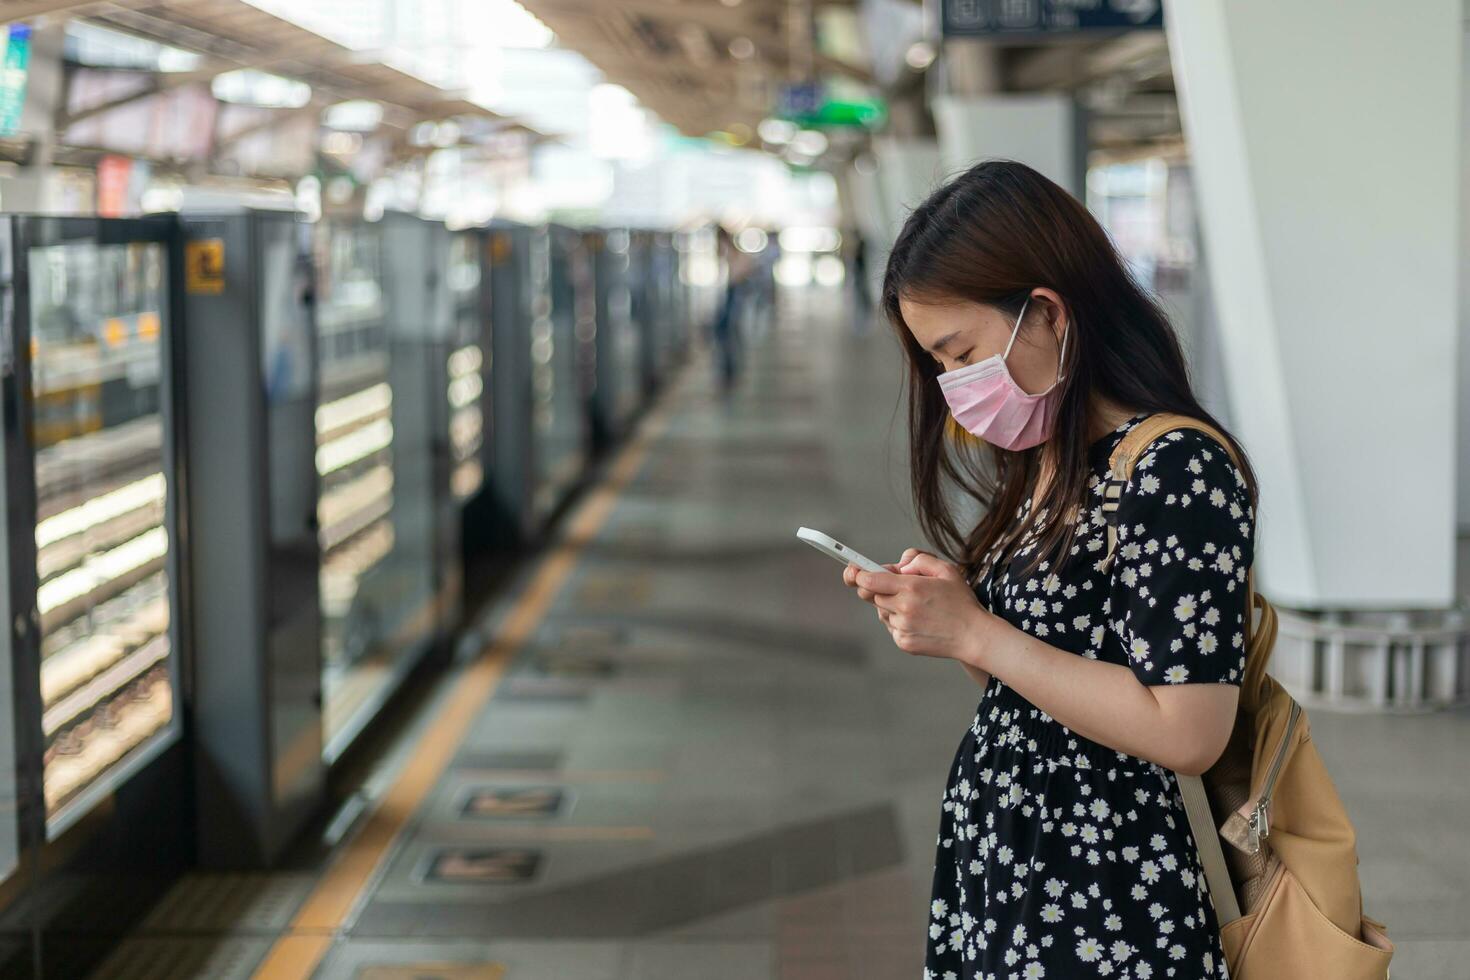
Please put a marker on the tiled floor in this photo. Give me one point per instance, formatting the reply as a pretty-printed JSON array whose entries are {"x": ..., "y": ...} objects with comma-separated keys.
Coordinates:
[{"x": 710, "y": 762}]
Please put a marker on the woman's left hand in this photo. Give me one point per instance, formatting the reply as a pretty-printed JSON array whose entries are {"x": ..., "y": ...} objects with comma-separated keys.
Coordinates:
[{"x": 929, "y": 608}]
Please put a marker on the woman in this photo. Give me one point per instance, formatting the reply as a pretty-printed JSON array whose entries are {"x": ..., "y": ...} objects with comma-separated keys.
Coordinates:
[{"x": 1063, "y": 847}]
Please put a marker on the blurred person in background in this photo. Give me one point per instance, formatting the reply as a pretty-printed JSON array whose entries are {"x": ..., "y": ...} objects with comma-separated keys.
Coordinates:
[
  {"x": 855, "y": 250},
  {"x": 739, "y": 268},
  {"x": 765, "y": 282}
]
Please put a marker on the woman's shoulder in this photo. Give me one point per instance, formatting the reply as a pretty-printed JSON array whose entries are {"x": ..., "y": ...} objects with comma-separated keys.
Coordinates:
[
  {"x": 1186, "y": 472},
  {"x": 1188, "y": 456}
]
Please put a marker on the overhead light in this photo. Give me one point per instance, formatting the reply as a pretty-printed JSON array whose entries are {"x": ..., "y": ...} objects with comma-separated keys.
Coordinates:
[
  {"x": 920, "y": 55},
  {"x": 731, "y": 3},
  {"x": 353, "y": 116},
  {"x": 742, "y": 48},
  {"x": 809, "y": 142},
  {"x": 246, "y": 86},
  {"x": 342, "y": 144},
  {"x": 776, "y": 131},
  {"x": 446, "y": 133},
  {"x": 751, "y": 239},
  {"x": 809, "y": 239}
]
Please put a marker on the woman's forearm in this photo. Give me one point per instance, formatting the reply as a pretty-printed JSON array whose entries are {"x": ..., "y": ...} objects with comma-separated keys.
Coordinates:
[
  {"x": 1102, "y": 701},
  {"x": 981, "y": 677}
]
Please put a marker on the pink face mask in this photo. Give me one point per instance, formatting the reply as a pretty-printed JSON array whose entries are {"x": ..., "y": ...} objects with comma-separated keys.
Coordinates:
[{"x": 987, "y": 402}]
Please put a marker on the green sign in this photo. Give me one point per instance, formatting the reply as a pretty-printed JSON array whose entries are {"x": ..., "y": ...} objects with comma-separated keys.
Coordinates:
[
  {"x": 807, "y": 105},
  {"x": 13, "y": 77},
  {"x": 870, "y": 112}
]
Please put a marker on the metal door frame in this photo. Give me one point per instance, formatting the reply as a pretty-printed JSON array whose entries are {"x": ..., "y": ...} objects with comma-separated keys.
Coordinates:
[{"x": 24, "y": 232}]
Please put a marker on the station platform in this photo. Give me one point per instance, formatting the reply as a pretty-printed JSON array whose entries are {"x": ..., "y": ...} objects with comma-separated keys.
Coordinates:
[{"x": 677, "y": 747}]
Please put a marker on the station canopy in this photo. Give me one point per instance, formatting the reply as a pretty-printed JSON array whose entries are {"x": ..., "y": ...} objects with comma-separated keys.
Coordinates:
[{"x": 228, "y": 86}]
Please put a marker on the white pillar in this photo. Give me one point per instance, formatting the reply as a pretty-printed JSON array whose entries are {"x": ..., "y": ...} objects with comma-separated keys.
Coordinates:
[
  {"x": 908, "y": 172},
  {"x": 863, "y": 199},
  {"x": 1044, "y": 130},
  {"x": 1464, "y": 412},
  {"x": 1325, "y": 142}
]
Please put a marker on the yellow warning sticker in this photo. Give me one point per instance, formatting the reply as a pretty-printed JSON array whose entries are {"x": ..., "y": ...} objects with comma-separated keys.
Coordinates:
[{"x": 204, "y": 266}]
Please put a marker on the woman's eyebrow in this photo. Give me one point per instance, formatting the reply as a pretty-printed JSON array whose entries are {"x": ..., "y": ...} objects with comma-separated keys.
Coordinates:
[{"x": 944, "y": 342}]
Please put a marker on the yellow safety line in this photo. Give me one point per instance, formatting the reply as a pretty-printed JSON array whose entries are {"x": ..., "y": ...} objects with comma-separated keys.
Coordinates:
[
  {"x": 564, "y": 776},
  {"x": 296, "y": 954},
  {"x": 523, "y": 833}
]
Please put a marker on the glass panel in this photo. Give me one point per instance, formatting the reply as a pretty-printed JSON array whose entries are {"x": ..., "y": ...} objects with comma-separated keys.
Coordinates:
[
  {"x": 374, "y": 509},
  {"x": 624, "y": 344},
  {"x": 292, "y": 586},
  {"x": 98, "y": 313},
  {"x": 9, "y": 803},
  {"x": 561, "y": 458},
  {"x": 466, "y": 370},
  {"x": 543, "y": 374}
]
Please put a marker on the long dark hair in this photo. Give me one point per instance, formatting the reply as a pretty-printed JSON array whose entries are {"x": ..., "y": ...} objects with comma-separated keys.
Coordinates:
[{"x": 991, "y": 235}]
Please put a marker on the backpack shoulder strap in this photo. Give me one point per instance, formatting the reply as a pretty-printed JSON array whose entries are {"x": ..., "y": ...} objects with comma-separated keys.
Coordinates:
[
  {"x": 1211, "y": 855},
  {"x": 1201, "y": 818}
]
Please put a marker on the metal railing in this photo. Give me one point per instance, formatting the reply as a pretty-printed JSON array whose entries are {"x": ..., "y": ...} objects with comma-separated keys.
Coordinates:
[{"x": 1415, "y": 660}]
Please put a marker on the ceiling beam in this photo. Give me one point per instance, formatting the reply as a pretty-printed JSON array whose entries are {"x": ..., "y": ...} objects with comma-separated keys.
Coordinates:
[
  {"x": 1068, "y": 65},
  {"x": 28, "y": 9},
  {"x": 278, "y": 117},
  {"x": 310, "y": 52},
  {"x": 766, "y": 32}
]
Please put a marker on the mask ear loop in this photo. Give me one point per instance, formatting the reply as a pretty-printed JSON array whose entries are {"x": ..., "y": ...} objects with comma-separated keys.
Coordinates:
[
  {"x": 1017, "y": 328},
  {"x": 1061, "y": 353}
]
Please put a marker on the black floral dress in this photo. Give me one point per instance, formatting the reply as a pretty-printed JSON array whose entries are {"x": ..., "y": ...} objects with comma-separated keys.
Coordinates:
[{"x": 1057, "y": 857}]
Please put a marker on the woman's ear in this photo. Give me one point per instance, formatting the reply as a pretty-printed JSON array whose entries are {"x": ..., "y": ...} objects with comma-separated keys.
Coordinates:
[{"x": 1054, "y": 308}]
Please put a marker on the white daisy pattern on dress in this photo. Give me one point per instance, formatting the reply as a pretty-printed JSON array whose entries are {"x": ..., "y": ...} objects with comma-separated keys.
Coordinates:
[{"x": 1057, "y": 856}]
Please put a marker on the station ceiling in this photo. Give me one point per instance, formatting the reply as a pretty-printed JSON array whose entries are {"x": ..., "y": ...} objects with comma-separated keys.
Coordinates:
[
  {"x": 706, "y": 65},
  {"x": 702, "y": 65},
  {"x": 232, "y": 34}
]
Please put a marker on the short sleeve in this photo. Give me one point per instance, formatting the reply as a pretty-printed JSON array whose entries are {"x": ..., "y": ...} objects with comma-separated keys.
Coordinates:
[{"x": 1185, "y": 532}]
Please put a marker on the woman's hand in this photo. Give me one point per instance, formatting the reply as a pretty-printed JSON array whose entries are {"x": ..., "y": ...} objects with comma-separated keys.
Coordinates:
[
  {"x": 926, "y": 605},
  {"x": 849, "y": 574}
]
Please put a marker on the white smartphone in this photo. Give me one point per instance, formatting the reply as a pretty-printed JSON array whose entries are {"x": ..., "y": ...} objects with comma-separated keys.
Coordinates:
[{"x": 833, "y": 548}]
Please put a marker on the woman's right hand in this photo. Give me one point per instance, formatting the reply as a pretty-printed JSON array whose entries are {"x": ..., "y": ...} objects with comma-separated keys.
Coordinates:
[
  {"x": 917, "y": 562},
  {"x": 926, "y": 564}
]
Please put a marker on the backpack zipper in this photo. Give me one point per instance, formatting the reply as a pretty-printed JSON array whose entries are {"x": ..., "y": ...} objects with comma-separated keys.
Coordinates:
[{"x": 1260, "y": 819}]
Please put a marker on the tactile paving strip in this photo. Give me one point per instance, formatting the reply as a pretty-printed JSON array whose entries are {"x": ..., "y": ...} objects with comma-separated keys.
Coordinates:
[
  {"x": 183, "y": 958},
  {"x": 218, "y": 903}
]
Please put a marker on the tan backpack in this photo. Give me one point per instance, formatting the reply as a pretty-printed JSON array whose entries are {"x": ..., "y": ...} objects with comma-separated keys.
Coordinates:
[{"x": 1285, "y": 889}]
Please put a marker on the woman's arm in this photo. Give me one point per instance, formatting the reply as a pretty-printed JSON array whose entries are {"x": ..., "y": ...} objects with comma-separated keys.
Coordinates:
[
  {"x": 930, "y": 566},
  {"x": 1177, "y": 591},
  {"x": 1185, "y": 526},
  {"x": 1181, "y": 726},
  {"x": 981, "y": 677}
]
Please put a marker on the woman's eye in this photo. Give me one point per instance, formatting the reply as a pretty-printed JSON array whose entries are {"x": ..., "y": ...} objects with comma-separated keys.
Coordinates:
[{"x": 965, "y": 357}]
